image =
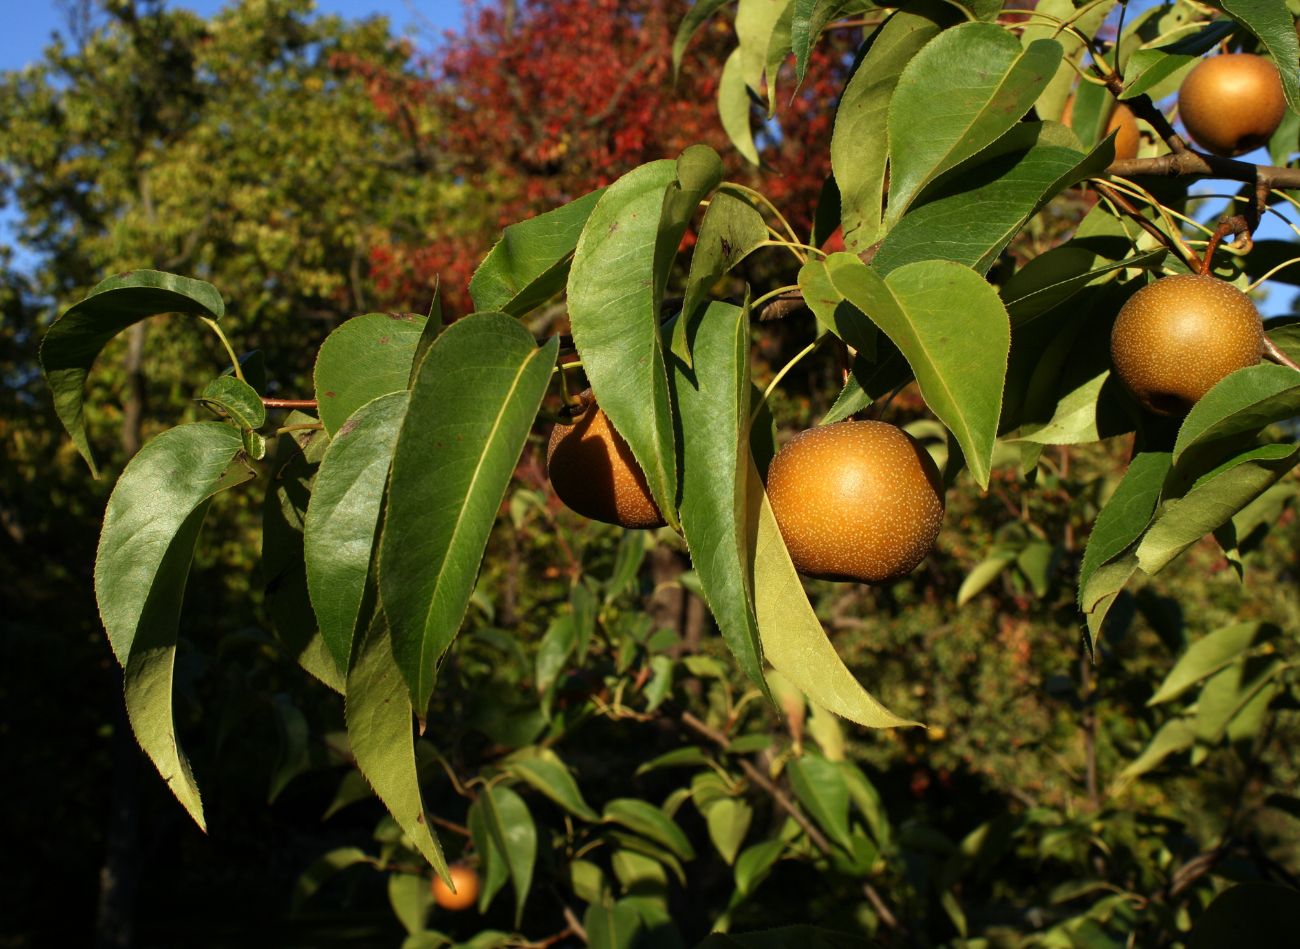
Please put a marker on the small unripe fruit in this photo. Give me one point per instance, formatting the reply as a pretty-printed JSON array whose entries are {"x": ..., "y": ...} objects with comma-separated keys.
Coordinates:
[
  {"x": 1232, "y": 103},
  {"x": 593, "y": 471},
  {"x": 1175, "y": 338},
  {"x": 856, "y": 501},
  {"x": 466, "y": 893}
]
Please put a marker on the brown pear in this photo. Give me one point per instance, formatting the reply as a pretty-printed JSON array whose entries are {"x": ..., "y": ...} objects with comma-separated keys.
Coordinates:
[
  {"x": 856, "y": 501},
  {"x": 1175, "y": 338},
  {"x": 1128, "y": 139},
  {"x": 1232, "y": 103},
  {"x": 593, "y": 471}
]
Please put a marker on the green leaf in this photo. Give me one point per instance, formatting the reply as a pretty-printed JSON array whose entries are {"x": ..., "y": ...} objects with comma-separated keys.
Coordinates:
[
  {"x": 983, "y": 573},
  {"x": 784, "y": 937},
  {"x": 688, "y": 757},
  {"x": 611, "y": 927},
  {"x": 834, "y": 313},
  {"x": 1174, "y": 736},
  {"x": 859, "y": 141},
  {"x": 237, "y": 399},
  {"x": 1207, "y": 656},
  {"x": 616, "y": 287},
  {"x": 869, "y": 803},
  {"x": 1249, "y": 914},
  {"x": 1126, "y": 515},
  {"x": 713, "y": 405},
  {"x": 1272, "y": 23},
  {"x": 755, "y": 22},
  {"x": 322, "y": 869},
  {"x": 728, "y": 820},
  {"x": 808, "y": 18},
  {"x": 77, "y": 337},
  {"x": 998, "y": 82},
  {"x": 154, "y": 500},
  {"x": 972, "y": 213},
  {"x": 792, "y": 637},
  {"x": 819, "y": 785},
  {"x": 542, "y": 770},
  {"x": 366, "y": 357},
  {"x": 778, "y": 51},
  {"x": 433, "y": 327},
  {"x": 283, "y": 568},
  {"x": 731, "y": 229},
  {"x": 1243, "y": 401},
  {"x": 1212, "y": 501},
  {"x": 651, "y": 822},
  {"x": 733, "y": 107},
  {"x": 515, "y": 836},
  {"x": 492, "y": 861},
  {"x": 627, "y": 564},
  {"x": 409, "y": 896},
  {"x": 379, "y": 720},
  {"x": 552, "y": 653},
  {"x": 695, "y": 17},
  {"x": 1051, "y": 279},
  {"x": 755, "y": 863},
  {"x": 340, "y": 527},
  {"x": 1229, "y": 692},
  {"x": 471, "y": 409},
  {"x": 530, "y": 263},
  {"x": 959, "y": 354}
]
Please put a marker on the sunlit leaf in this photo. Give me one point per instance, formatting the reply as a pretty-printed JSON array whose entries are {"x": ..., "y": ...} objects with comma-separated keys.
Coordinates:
[{"x": 384, "y": 344}]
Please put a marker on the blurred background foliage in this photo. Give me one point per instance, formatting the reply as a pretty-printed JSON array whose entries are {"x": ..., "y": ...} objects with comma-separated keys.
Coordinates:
[{"x": 314, "y": 168}]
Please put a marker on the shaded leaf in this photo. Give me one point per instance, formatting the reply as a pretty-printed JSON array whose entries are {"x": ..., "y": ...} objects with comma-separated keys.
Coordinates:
[
  {"x": 651, "y": 822},
  {"x": 322, "y": 869},
  {"x": 611, "y": 927},
  {"x": 733, "y": 107},
  {"x": 728, "y": 820},
  {"x": 1127, "y": 513},
  {"x": 755, "y": 863},
  {"x": 819, "y": 785},
  {"x": 515, "y": 836},
  {"x": 542, "y": 770},
  {"x": 237, "y": 399},
  {"x": 1243, "y": 401},
  {"x": 695, "y": 17}
]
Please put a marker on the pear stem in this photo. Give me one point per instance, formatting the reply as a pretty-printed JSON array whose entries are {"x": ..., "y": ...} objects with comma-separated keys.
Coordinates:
[{"x": 1274, "y": 353}]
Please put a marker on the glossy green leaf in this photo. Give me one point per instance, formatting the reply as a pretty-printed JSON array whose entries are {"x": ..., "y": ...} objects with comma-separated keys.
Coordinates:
[
  {"x": 695, "y": 17},
  {"x": 959, "y": 354},
  {"x": 778, "y": 51},
  {"x": 1212, "y": 501},
  {"x": 433, "y": 327},
  {"x": 1244, "y": 401},
  {"x": 1207, "y": 656},
  {"x": 998, "y": 82},
  {"x": 728, "y": 821},
  {"x": 972, "y": 214},
  {"x": 733, "y": 108},
  {"x": 1126, "y": 515},
  {"x": 794, "y": 642},
  {"x": 808, "y": 18},
  {"x": 366, "y": 357},
  {"x": 471, "y": 409},
  {"x": 860, "y": 140},
  {"x": 1273, "y": 24},
  {"x": 833, "y": 312},
  {"x": 530, "y": 263},
  {"x": 651, "y": 822},
  {"x": 71, "y": 345},
  {"x": 237, "y": 399},
  {"x": 379, "y": 719},
  {"x": 340, "y": 527},
  {"x": 542, "y": 770},
  {"x": 713, "y": 404},
  {"x": 616, "y": 287},
  {"x": 161, "y": 488},
  {"x": 515, "y": 835},
  {"x": 820, "y": 787}
]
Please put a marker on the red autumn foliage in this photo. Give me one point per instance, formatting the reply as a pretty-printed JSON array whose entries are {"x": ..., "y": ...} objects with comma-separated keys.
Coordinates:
[{"x": 540, "y": 101}]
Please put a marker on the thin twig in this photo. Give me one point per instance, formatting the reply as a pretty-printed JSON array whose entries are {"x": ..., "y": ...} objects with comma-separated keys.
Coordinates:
[
  {"x": 1127, "y": 208},
  {"x": 290, "y": 403},
  {"x": 1273, "y": 352}
]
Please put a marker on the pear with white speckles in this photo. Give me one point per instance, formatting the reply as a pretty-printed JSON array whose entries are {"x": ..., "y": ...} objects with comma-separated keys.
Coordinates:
[
  {"x": 856, "y": 501},
  {"x": 593, "y": 471},
  {"x": 1175, "y": 338},
  {"x": 1232, "y": 103}
]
